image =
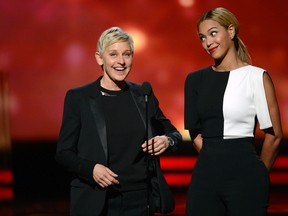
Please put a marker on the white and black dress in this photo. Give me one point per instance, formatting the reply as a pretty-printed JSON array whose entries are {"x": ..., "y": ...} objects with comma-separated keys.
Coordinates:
[{"x": 228, "y": 177}]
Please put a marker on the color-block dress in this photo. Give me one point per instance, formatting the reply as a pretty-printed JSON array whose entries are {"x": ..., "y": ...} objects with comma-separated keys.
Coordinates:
[{"x": 228, "y": 175}]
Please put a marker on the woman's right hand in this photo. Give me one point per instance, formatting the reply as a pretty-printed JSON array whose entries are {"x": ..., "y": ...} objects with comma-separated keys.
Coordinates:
[{"x": 104, "y": 176}]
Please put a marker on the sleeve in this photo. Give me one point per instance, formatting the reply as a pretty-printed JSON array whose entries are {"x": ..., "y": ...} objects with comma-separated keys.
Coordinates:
[
  {"x": 191, "y": 117},
  {"x": 260, "y": 102},
  {"x": 66, "y": 152},
  {"x": 163, "y": 125}
]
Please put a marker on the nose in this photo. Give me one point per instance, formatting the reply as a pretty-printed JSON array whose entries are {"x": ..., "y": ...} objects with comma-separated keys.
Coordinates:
[
  {"x": 209, "y": 41},
  {"x": 121, "y": 60}
]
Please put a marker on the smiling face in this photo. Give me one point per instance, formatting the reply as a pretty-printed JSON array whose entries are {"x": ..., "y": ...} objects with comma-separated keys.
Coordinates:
[
  {"x": 216, "y": 40},
  {"x": 116, "y": 62}
]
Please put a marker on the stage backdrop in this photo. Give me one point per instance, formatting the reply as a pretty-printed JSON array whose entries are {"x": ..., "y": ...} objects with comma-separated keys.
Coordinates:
[{"x": 48, "y": 47}]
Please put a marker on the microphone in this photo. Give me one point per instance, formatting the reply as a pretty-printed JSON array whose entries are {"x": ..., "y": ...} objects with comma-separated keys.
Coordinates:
[{"x": 146, "y": 90}]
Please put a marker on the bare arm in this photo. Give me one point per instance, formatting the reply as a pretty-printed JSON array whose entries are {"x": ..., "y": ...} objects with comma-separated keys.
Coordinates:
[{"x": 273, "y": 135}]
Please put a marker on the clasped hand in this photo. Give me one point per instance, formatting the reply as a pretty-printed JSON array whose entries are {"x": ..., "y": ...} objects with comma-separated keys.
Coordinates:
[
  {"x": 158, "y": 143},
  {"x": 105, "y": 177}
]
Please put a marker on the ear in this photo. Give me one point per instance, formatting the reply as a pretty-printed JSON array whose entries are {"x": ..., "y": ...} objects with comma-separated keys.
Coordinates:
[
  {"x": 98, "y": 58},
  {"x": 231, "y": 31}
]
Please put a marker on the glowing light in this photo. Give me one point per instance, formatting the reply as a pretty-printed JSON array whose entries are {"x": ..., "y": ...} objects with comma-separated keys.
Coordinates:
[
  {"x": 139, "y": 37},
  {"x": 75, "y": 54},
  {"x": 186, "y": 3}
]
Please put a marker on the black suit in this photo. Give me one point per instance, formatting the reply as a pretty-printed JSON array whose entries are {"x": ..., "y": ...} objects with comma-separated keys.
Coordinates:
[{"x": 83, "y": 142}]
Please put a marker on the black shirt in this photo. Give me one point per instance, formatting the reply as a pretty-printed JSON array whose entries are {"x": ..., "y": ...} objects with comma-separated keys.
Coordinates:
[{"x": 125, "y": 135}]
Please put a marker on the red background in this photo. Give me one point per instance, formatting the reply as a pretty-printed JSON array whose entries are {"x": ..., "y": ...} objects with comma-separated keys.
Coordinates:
[{"x": 48, "y": 47}]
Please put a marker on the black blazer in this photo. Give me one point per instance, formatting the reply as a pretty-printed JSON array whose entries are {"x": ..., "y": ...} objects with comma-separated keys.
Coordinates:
[{"x": 83, "y": 143}]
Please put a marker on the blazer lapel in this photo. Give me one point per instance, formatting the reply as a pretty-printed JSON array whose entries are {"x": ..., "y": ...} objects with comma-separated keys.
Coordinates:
[
  {"x": 140, "y": 104},
  {"x": 98, "y": 114},
  {"x": 100, "y": 123}
]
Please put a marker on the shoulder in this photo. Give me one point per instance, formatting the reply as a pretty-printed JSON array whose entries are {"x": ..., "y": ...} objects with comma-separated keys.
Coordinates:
[
  {"x": 256, "y": 75},
  {"x": 82, "y": 87},
  {"x": 255, "y": 71},
  {"x": 133, "y": 85},
  {"x": 136, "y": 88},
  {"x": 87, "y": 89},
  {"x": 200, "y": 71},
  {"x": 255, "y": 68},
  {"x": 195, "y": 76}
]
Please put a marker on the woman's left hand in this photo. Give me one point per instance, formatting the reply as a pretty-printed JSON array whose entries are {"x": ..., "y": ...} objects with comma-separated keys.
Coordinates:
[{"x": 158, "y": 143}]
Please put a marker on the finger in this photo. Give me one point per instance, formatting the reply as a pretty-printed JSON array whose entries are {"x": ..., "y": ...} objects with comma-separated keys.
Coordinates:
[
  {"x": 156, "y": 153},
  {"x": 111, "y": 173},
  {"x": 144, "y": 146},
  {"x": 158, "y": 150},
  {"x": 115, "y": 181},
  {"x": 108, "y": 182},
  {"x": 111, "y": 177},
  {"x": 111, "y": 180},
  {"x": 103, "y": 184},
  {"x": 156, "y": 147}
]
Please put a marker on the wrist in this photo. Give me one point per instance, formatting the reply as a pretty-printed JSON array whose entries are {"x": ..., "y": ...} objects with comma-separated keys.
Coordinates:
[{"x": 170, "y": 141}]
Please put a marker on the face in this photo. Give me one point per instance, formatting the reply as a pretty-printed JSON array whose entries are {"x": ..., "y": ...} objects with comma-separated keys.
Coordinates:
[
  {"x": 116, "y": 62},
  {"x": 216, "y": 40}
]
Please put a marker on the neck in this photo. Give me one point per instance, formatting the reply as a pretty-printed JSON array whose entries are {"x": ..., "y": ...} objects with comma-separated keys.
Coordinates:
[
  {"x": 228, "y": 64},
  {"x": 111, "y": 85}
]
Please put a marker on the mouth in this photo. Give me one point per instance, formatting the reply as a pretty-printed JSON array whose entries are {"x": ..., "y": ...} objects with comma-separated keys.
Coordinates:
[
  {"x": 212, "y": 50},
  {"x": 119, "y": 68}
]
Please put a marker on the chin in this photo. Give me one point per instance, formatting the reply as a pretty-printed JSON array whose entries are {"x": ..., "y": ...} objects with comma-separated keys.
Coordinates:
[{"x": 120, "y": 78}]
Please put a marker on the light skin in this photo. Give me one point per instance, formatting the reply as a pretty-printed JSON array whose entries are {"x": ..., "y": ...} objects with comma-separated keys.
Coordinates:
[
  {"x": 218, "y": 42},
  {"x": 116, "y": 62}
]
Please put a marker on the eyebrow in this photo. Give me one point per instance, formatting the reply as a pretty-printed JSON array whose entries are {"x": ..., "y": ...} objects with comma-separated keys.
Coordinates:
[
  {"x": 210, "y": 29},
  {"x": 114, "y": 50}
]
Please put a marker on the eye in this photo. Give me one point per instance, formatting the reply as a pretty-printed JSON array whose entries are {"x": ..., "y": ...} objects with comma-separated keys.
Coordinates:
[
  {"x": 213, "y": 33},
  {"x": 128, "y": 54},
  {"x": 113, "y": 54},
  {"x": 202, "y": 38}
]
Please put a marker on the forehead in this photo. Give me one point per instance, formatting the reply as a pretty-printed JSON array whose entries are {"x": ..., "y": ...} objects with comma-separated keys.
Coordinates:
[
  {"x": 207, "y": 25},
  {"x": 119, "y": 45}
]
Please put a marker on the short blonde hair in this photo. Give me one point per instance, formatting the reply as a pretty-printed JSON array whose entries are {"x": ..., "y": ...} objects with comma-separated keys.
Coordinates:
[{"x": 113, "y": 35}]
